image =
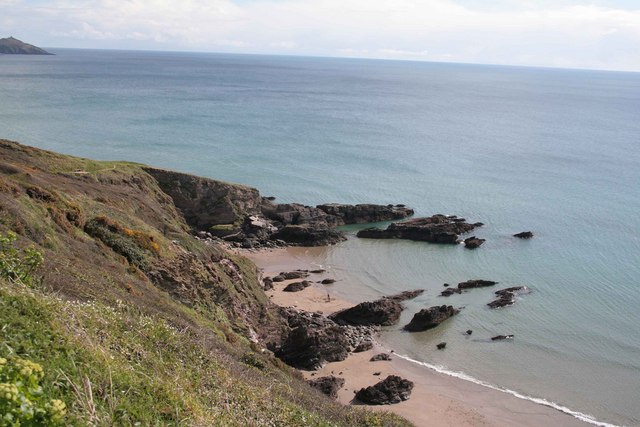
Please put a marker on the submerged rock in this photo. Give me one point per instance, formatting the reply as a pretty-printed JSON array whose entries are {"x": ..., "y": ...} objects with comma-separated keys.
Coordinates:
[
  {"x": 450, "y": 291},
  {"x": 434, "y": 229},
  {"x": 430, "y": 318},
  {"x": 524, "y": 235},
  {"x": 476, "y": 283},
  {"x": 384, "y": 312},
  {"x": 406, "y": 295},
  {"x": 502, "y": 337},
  {"x": 392, "y": 389},
  {"x": 327, "y": 385}
]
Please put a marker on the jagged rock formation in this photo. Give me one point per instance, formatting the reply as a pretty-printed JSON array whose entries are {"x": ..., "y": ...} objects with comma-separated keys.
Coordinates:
[
  {"x": 384, "y": 312},
  {"x": 429, "y": 318},
  {"x": 434, "y": 229},
  {"x": 13, "y": 46}
]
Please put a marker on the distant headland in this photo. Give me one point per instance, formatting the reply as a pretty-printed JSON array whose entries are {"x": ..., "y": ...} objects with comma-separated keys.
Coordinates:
[{"x": 14, "y": 46}]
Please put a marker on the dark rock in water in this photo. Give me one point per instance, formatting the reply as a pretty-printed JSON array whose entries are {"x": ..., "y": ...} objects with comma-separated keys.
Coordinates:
[
  {"x": 327, "y": 385},
  {"x": 502, "y": 337},
  {"x": 441, "y": 346},
  {"x": 476, "y": 283},
  {"x": 406, "y": 295},
  {"x": 382, "y": 312},
  {"x": 267, "y": 283},
  {"x": 379, "y": 357},
  {"x": 524, "y": 235},
  {"x": 308, "y": 235},
  {"x": 392, "y": 389},
  {"x": 363, "y": 346},
  {"x": 312, "y": 341},
  {"x": 446, "y": 285},
  {"x": 434, "y": 229},
  {"x": 270, "y": 198},
  {"x": 365, "y": 213},
  {"x": 508, "y": 296},
  {"x": 469, "y": 331},
  {"x": 430, "y": 318},
  {"x": 473, "y": 242},
  {"x": 297, "y": 286},
  {"x": 478, "y": 224},
  {"x": 328, "y": 281},
  {"x": 318, "y": 271},
  {"x": 450, "y": 291},
  {"x": 294, "y": 275}
]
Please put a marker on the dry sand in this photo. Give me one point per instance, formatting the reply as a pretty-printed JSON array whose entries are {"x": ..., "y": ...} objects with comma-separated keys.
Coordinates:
[{"x": 437, "y": 399}]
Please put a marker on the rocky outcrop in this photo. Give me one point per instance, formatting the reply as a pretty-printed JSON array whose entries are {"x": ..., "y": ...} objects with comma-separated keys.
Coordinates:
[
  {"x": 308, "y": 235},
  {"x": 434, "y": 229},
  {"x": 206, "y": 204},
  {"x": 429, "y": 318},
  {"x": 475, "y": 283},
  {"x": 406, "y": 295},
  {"x": 469, "y": 284},
  {"x": 365, "y": 213},
  {"x": 524, "y": 235},
  {"x": 392, "y": 389},
  {"x": 312, "y": 341},
  {"x": 508, "y": 296},
  {"x": 383, "y": 312},
  {"x": 13, "y": 46},
  {"x": 327, "y": 385},
  {"x": 473, "y": 242},
  {"x": 327, "y": 281}
]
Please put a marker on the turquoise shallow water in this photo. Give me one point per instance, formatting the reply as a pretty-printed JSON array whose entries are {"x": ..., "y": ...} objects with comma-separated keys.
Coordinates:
[{"x": 553, "y": 151}]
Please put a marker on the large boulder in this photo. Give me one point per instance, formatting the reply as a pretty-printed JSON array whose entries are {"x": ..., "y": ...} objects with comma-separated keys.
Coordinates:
[
  {"x": 392, "y": 389},
  {"x": 524, "y": 235},
  {"x": 383, "y": 312},
  {"x": 312, "y": 341},
  {"x": 297, "y": 286},
  {"x": 473, "y": 242},
  {"x": 434, "y": 229},
  {"x": 430, "y": 318},
  {"x": 365, "y": 213},
  {"x": 327, "y": 385}
]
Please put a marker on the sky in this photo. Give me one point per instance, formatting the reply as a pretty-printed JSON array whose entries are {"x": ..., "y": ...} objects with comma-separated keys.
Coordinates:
[{"x": 595, "y": 34}]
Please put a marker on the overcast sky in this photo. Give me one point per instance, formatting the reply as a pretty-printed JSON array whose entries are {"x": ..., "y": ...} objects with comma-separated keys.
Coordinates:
[{"x": 601, "y": 34}]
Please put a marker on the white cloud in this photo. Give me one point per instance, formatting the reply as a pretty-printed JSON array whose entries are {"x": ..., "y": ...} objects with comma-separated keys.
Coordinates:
[{"x": 561, "y": 33}]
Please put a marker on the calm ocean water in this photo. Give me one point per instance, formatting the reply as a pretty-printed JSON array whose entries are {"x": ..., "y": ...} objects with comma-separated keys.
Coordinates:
[{"x": 552, "y": 151}]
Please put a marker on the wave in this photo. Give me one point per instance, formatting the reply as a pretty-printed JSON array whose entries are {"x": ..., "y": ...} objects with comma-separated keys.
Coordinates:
[{"x": 461, "y": 375}]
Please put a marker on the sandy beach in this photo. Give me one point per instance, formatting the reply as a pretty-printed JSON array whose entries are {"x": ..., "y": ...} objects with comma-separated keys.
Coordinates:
[{"x": 437, "y": 399}]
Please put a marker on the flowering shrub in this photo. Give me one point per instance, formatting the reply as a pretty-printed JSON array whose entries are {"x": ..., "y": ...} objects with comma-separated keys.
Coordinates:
[
  {"x": 21, "y": 397},
  {"x": 17, "y": 265}
]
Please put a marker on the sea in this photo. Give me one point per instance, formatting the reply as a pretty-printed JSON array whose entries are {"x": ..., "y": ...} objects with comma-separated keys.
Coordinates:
[{"x": 553, "y": 151}]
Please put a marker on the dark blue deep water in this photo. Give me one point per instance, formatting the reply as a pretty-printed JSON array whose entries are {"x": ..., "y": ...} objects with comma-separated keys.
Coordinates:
[{"x": 552, "y": 151}]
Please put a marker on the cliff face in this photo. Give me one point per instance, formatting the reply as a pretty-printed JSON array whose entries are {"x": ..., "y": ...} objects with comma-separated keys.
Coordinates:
[
  {"x": 14, "y": 46},
  {"x": 206, "y": 203}
]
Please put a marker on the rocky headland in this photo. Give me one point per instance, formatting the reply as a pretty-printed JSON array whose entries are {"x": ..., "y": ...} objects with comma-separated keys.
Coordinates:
[{"x": 13, "y": 46}]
